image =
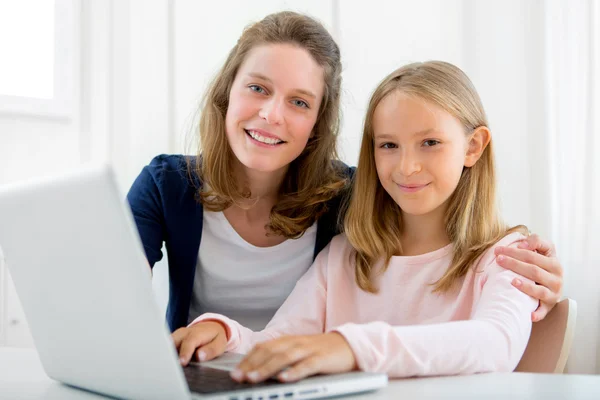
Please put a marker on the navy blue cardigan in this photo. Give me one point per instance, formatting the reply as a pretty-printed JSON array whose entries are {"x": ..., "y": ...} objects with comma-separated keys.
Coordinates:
[{"x": 164, "y": 205}]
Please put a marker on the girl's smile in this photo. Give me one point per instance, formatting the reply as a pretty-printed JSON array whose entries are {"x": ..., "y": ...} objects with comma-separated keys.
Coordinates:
[{"x": 412, "y": 188}]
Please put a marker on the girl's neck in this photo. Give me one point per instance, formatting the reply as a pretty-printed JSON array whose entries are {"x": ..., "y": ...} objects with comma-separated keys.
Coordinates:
[{"x": 423, "y": 234}]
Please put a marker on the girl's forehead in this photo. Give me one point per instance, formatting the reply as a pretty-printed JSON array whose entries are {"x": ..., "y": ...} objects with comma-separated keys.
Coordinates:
[
  {"x": 399, "y": 112},
  {"x": 398, "y": 105}
]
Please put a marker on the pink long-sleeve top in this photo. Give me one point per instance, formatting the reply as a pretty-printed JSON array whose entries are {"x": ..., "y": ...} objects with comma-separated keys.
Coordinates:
[{"x": 406, "y": 329}]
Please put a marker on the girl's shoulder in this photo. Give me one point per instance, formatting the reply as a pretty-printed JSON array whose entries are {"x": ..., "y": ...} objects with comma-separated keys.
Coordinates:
[
  {"x": 340, "y": 243},
  {"x": 488, "y": 258},
  {"x": 337, "y": 252}
]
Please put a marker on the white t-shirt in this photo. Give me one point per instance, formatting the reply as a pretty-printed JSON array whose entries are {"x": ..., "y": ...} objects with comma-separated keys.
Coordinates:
[{"x": 242, "y": 281}]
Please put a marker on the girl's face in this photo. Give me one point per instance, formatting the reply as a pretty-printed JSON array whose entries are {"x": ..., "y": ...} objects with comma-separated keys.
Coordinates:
[
  {"x": 420, "y": 152},
  {"x": 273, "y": 106}
]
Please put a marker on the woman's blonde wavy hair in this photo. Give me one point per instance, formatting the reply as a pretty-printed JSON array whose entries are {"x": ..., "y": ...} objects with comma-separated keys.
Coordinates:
[
  {"x": 373, "y": 223},
  {"x": 311, "y": 179}
]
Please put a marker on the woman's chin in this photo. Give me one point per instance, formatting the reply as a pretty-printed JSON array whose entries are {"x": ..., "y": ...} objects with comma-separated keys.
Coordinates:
[{"x": 260, "y": 164}]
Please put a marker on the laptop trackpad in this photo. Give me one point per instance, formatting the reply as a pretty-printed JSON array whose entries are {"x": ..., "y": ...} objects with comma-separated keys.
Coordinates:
[{"x": 227, "y": 361}]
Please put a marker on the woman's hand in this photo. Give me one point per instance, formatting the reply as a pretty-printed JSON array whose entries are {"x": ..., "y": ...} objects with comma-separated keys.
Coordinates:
[
  {"x": 204, "y": 340},
  {"x": 535, "y": 259},
  {"x": 304, "y": 355}
]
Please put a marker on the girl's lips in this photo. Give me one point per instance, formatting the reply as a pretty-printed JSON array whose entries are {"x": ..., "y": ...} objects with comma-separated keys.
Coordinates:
[{"x": 412, "y": 188}]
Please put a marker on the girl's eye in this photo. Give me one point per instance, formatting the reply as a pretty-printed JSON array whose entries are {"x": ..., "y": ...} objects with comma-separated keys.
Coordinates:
[
  {"x": 257, "y": 89},
  {"x": 430, "y": 143},
  {"x": 388, "y": 146},
  {"x": 300, "y": 103}
]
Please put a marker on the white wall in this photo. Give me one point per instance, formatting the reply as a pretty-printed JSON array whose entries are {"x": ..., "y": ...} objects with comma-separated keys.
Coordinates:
[
  {"x": 142, "y": 67},
  {"x": 377, "y": 37},
  {"x": 505, "y": 61}
]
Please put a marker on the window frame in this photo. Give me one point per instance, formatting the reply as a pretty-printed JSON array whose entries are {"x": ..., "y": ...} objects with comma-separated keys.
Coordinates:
[{"x": 61, "y": 106}]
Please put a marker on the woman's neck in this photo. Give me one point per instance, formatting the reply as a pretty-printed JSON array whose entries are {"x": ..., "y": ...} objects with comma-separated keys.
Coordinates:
[
  {"x": 249, "y": 217},
  {"x": 263, "y": 187},
  {"x": 423, "y": 234}
]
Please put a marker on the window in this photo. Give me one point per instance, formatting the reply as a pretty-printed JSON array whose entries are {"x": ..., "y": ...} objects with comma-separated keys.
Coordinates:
[{"x": 37, "y": 43}]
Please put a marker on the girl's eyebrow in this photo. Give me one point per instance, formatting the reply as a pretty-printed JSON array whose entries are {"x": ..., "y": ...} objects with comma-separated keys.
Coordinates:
[
  {"x": 424, "y": 132},
  {"x": 384, "y": 136},
  {"x": 264, "y": 78}
]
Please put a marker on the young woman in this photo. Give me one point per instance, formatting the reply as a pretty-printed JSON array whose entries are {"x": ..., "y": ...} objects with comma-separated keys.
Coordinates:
[{"x": 244, "y": 219}]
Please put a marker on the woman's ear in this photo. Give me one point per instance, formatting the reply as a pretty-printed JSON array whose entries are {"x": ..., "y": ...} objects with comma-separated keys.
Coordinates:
[{"x": 477, "y": 143}]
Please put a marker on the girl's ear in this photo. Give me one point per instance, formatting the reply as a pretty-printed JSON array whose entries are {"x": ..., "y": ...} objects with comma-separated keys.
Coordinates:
[{"x": 477, "y": 143}]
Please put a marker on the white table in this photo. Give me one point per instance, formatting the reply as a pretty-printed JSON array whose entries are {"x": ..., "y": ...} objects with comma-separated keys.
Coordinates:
[{"x": 22, "y": 377}]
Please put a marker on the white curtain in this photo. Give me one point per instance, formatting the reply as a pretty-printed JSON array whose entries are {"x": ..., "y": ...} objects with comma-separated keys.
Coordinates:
[{"x": 572, "y": 51}]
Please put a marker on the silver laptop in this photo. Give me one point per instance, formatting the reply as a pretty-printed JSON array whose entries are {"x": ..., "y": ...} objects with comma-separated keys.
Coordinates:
[{"x": 79, "y": 268}]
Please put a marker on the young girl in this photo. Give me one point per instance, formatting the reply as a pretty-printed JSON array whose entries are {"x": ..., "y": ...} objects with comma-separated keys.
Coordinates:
[{"x": 413, "y": 287}]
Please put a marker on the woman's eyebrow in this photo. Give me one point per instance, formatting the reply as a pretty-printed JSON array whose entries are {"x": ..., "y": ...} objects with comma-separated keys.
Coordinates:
[{"x": 264, "y": 78}]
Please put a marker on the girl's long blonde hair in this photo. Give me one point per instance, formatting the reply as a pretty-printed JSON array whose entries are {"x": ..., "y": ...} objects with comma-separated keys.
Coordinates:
[
  {"x": 311, "y": 179},
  {"x": 373, "y": 223}
]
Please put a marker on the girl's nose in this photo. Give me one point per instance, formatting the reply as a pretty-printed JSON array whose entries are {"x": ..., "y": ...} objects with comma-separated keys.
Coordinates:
[{"x": 408, "y": 164}]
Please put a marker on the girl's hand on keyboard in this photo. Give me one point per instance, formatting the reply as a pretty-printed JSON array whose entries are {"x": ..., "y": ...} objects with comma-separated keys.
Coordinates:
[
  {"x": 204, "y": 341},
  {"x": 291, "y": 358}
]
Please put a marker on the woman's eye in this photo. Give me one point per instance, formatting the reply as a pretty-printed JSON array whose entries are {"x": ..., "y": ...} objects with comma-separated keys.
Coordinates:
[
  {"x": 388, "y": 146},
  {"x": 257, "y": 89},
  {"x": 300, "y": 103},
  {"x": 430, "y": 143}
]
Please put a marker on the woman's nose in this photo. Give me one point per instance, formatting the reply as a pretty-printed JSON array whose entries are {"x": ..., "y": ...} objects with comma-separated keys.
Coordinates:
[{"x": 272, "y": 111}]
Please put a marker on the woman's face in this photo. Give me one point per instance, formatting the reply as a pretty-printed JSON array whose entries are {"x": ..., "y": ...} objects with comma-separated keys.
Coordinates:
[{"x": 273, "y": 106}]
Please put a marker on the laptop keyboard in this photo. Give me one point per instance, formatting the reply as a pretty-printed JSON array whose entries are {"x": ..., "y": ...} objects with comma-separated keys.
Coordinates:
[{"x": 205, "y": 380}]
